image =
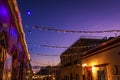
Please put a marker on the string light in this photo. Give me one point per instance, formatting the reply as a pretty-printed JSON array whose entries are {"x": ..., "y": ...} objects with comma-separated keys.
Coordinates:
[
  {"x": 71, "y": 31},
  {"x": 40, "y": 54},
  {"x": 50, "y": 46},
  {"x": 29, "y": 31},
  {"x": 28, "y": 12},
  {"x": 66, "y": 31},
  {"x": 49, "y": 55}
]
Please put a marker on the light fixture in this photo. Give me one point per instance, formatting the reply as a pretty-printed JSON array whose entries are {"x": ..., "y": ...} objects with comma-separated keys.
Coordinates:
[{"x": 84, "y": 65}]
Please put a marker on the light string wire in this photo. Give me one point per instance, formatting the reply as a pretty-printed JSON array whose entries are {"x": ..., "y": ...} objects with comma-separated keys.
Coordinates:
[
  {"x": 41, "y": 54},
  {"x": 72, "y": 31},
  {"x": 51, "y": 46},
  {"x": 69, "y": 54},
  {"x": 67, "y": 31}
]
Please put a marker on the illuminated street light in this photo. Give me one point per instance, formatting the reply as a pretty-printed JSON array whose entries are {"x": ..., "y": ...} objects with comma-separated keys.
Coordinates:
[{"x": 84, "y": 65}]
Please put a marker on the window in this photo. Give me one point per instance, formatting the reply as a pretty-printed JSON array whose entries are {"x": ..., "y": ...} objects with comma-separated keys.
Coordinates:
[
  {"x": 71, "y": 76},
  {"x": 77, "y": 77},
  {"x": 101, "y": 75},
  {"x": 116, "y": 69}
]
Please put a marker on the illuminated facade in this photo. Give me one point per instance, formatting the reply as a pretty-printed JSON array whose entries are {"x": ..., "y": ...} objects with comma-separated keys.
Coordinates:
[
  {"x": 71, "y": 58},
  {"x": 14, "y": 55},
  {"x": 102, "y": 62}
]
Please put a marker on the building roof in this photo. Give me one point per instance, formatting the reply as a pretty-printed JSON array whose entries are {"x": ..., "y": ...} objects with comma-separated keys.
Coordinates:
[
  {"x": 83, "y": 44},
  {"x": 104, "y": 45}
]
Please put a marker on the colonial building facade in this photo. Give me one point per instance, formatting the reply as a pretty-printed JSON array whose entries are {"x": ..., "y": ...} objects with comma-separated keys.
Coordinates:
[
  {"x": 14, "y": 55},
  {"x": 71, "y": 59},
  {"x": 102, "y": 62}
]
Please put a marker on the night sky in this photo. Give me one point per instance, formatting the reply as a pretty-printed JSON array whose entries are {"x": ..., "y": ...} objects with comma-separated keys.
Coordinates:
[{"x": 76, "y": 15}]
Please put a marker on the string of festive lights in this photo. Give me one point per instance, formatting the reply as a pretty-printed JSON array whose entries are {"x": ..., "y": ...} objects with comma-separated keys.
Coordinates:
[
  {"x": 40, "y": 54},
  {"x": 51, "y": 46},
  {"x": 72, "y": 31},
  {"x": 53, "y": 55}
]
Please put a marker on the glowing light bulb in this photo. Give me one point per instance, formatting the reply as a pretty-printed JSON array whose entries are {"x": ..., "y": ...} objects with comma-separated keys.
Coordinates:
[{"x": 28, "y": 12}]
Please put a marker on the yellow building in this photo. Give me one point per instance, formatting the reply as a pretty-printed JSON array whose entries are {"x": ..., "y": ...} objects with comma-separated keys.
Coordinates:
[
  {"x": 71, "y": 58},
  {"x": 102, "y": 62}
]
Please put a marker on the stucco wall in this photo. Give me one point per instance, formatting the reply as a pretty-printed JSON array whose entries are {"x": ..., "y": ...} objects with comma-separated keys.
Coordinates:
[
  {"x": 74, "y": 70},
  {"x": 110, "y": 55}
]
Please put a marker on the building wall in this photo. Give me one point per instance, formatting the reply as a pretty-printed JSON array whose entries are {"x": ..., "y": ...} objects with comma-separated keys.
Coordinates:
[
  {"x": 74, "y": 52},
  {"x": 13, "y": 41},
  {"x": 71, "y": 73},
  {"x": 72, "y": 57},
  {"x": 109, "y": 56}
]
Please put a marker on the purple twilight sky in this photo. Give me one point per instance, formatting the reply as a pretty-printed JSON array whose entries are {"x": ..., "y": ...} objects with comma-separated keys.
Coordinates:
[{"x": 77, "y": 15}]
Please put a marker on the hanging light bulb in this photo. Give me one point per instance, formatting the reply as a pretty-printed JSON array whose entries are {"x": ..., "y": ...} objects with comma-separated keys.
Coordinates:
[
  {"x": 26, "y": 26},
  {"x": 29, "y": 31},
  {"x": 28, "y": 12}
]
